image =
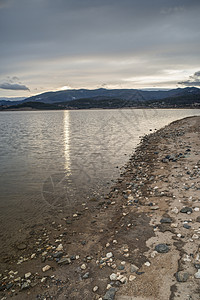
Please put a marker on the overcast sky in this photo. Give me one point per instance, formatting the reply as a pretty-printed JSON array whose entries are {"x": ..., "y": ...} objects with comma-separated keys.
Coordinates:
[{"x": 58, "y": 44}]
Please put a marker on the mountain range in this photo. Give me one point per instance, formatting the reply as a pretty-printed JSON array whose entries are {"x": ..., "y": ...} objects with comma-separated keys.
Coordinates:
[{"x": 104, "y": 98}]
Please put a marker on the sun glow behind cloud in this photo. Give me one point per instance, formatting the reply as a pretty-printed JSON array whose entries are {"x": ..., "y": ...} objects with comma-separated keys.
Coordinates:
[{"x": 65, "y": 87}]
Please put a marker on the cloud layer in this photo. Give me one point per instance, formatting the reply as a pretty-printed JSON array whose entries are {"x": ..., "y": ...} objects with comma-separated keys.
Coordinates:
[
  {"x": 89, "y": 43},
  {"x": 193, "y": 80},
  {"x": 13, "y": 86}
]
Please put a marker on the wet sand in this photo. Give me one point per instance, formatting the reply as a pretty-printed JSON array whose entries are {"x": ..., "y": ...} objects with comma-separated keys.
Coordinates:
[{"x": 140, "y": 242}]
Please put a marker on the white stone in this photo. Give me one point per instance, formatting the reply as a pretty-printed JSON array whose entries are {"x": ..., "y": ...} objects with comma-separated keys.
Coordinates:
[
  {"x": 43, "y": 279},
  {"x": 154, "y": 207},
  {"x": 95, "y": 288},
  {"x": 27, "y": 275},
  {"x": 197, "y": 274},
  {"x": 154, "y": 253},
  {"x": 126, "y": 255},
  {"x": 174, "y": 225},
  {"x": 59, "y": 248},
  {"x": 109, "y": 255},
  {"x": 195, "y": 236},
  {"x": 132, "y": 277},
  {"x": 46, "y": 268},
  {"x": 196, "y": 209},
  {"x": 123, "y": 279},
  {"x": 175, "y": 210},
  {"x": 113, "y": 277},
  {"x": 147, "y": 264},
  {"x": 17, "y": 279},
  {"x": 83, "y": 266},
  {"x": 113, "y": 266}
]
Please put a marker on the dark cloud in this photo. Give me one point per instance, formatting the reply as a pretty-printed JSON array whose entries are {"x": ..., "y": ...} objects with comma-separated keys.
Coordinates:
[
  {"x": 13, "y": 86},
  {"x": 193, "y": 80}
]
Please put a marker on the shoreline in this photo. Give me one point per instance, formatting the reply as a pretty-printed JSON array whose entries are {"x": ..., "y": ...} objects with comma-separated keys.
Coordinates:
[
  {"x": 78, "y": 109},
  {"x": 106, "y": 250}
]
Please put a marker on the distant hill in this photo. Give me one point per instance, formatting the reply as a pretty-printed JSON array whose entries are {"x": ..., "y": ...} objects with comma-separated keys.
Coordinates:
[
  {"x": 11, "y": 100},
  {"x": 125, "y": 94},
  {"x": 102, "y": 98}
]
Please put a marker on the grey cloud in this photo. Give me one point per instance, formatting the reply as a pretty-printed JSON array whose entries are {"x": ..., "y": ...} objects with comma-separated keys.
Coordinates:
[
  {"x": 36, "y": 34},
  {"x": 193, "y": 80},
  {"x": 13, "y": 86}
]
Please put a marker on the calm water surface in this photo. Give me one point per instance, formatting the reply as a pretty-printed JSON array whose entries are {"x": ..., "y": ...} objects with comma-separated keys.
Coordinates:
[{"x": 60, "y": 157}]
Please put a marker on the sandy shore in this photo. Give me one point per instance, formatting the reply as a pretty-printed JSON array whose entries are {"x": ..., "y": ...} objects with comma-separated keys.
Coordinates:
[{"x": 140, "y": 242}]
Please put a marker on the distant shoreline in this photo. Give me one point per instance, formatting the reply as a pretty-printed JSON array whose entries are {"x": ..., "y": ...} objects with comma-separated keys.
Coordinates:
[{"x": 114, "y": 108}]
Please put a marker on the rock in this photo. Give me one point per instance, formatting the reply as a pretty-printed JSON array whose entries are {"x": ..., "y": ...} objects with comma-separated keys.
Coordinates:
[
  {"x": 46, "y": 268},
  {"x": 133, "y": 268},
  {"x": 197, "y": 266},
  {"x": 120, "y": 268},
  {"x": 113, "y": 277},
  {"x": 198, "y": 219},
  {"x": 95, "y": 288},
  {"x": 154, "y": 207},
  {"x": 162, "y": 248},
  {"x": 9, "y": 286},
  {"x": 58, "y": 254},
  {"x": 175, "y": 210},
  {"x": 132, "y": 277},
  {"x": 27, "y": 275},
  {"x": 110, "y": 294},
  {"x": 123, "y": 279},
  {"x": 147, "y": 264},
  {"x": 195, "y": 236},
  {"x": 109, "y": 255},
  {"x": 182, "y": 276},
  {"x": 86, "y": 275},
  {"x": 68, "y": 222},
  {"x": 21, "y": 246},
  {"x": 83, "y": 266},
  {"x": 186, "y": 210},
  {"x": 186, "y": 226},
  {"x": 174, "y": 225},
  {"x": 25, "y": 285},
  {"x": 59, "y": 248},
  {"x": 197, "y": 274},
  {"x": 64, "y": 261},
  {"x": 165, "y": 220}
]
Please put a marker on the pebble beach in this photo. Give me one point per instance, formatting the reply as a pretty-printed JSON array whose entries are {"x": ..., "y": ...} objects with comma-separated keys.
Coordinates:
[{"x": 140, "y": 242}]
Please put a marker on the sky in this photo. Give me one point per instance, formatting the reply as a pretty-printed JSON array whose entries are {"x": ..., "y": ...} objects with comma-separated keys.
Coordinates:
[{"x": 50, "y": 45}]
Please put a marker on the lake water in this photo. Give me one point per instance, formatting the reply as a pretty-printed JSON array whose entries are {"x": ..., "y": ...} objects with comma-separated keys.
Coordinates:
[{"x": 57, "y": 158}]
